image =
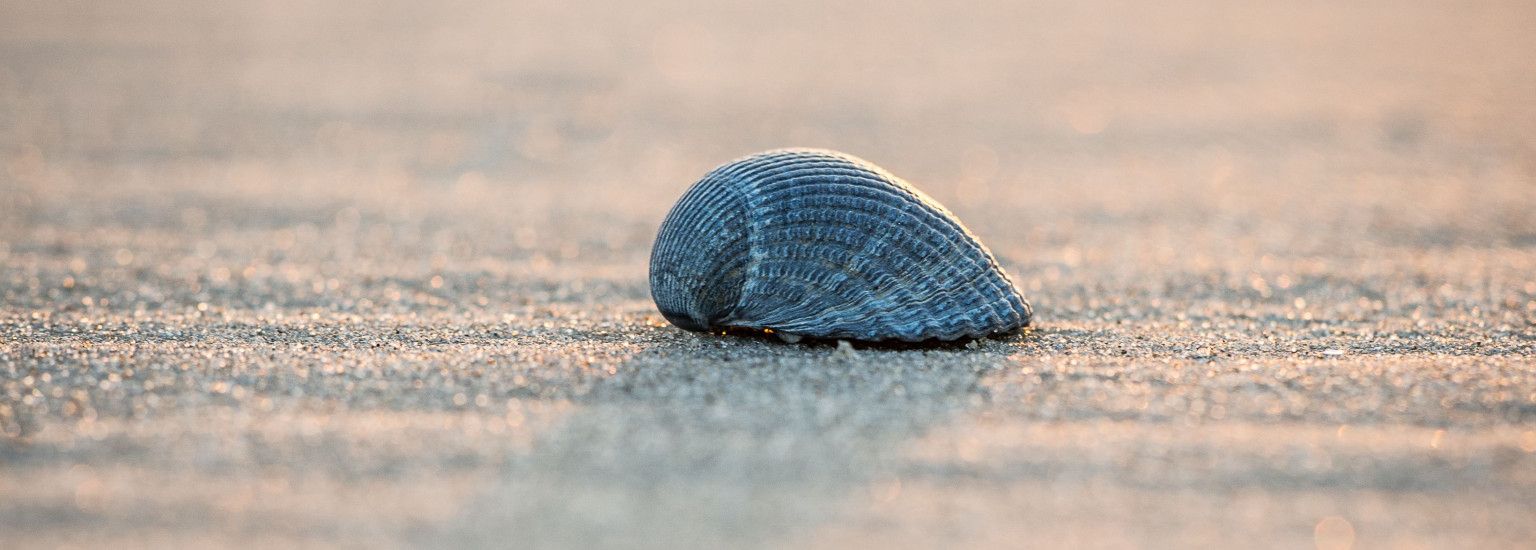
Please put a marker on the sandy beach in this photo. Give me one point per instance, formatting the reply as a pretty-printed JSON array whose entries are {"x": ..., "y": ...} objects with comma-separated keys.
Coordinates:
[{"x": 373, "y": 274}]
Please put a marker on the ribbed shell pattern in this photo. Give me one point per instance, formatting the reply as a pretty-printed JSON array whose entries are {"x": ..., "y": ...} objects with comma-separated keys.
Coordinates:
[{"x": 823, "y": 244}]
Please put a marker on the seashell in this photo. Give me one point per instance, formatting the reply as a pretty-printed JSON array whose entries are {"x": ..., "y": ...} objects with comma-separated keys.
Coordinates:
[{"x": 821, "y": 244}]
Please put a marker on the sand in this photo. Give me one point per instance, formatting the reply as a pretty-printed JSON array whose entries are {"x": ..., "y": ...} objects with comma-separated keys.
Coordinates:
[{"x": 374, "y": 275}]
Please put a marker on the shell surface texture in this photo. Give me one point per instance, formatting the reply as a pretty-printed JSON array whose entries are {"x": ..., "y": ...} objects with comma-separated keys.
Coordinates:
[{"x": 821, "y": 244}]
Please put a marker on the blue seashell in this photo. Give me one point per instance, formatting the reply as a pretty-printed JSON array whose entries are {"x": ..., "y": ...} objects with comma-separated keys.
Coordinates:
[{"x": 816, "y": 243}]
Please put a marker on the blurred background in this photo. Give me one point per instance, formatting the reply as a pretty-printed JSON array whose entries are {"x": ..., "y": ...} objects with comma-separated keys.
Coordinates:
[
  {"x": 256, "y": 204},
  {"x": 1022, "y": 116}
]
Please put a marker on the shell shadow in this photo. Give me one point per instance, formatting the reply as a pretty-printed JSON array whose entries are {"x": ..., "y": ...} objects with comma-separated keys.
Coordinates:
[
  {"x": 957, "y": 344},
  {"x": 703, "y": 441}
]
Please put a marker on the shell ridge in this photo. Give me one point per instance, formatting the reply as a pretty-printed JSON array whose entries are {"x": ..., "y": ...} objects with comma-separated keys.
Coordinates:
[
  {"x": 902, "y": 306},
  {"x": 934, "y": 210},
  {"x": 715, "y": 192},
  {"x": 863, "y": 190},
  {"x": 876, "y": 207},
  {"x": 678, "y": 286},
  {"x": 777, "y": 222},
  {"x": 837, "y": 284}
]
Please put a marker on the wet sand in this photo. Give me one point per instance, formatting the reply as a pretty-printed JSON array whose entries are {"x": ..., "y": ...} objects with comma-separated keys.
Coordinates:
[{"x": 374, "y": 274}]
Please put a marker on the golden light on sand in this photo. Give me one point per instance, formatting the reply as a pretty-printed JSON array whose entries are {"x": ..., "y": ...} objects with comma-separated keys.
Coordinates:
[
  {"x": 1334, "y": 533},
  {"x": 978, "y": 166},
  {"x": 885, "y": 490},
  {"x": 1087, "y": 113}
]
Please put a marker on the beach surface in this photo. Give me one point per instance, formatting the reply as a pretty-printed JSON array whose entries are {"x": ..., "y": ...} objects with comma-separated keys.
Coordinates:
[{"x": 373, "y": 274}]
